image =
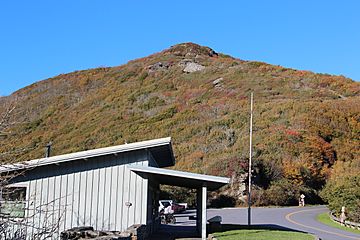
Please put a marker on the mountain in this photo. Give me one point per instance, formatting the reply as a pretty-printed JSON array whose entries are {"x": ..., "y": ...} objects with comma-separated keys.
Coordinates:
[{"x": 305, "y": 124}]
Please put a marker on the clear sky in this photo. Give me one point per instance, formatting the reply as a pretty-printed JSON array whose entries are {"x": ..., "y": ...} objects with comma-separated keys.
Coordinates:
[{"x": 41, "y": 39}]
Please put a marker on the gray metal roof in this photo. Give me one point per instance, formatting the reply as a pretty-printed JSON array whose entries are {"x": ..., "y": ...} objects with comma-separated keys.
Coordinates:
[
  {"x": 180, "y": 178},
  {"x": 161, "y": 150}
]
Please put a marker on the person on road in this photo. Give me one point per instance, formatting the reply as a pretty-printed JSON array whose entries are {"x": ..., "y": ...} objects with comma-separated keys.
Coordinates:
[{"x": 302, "y": 200}]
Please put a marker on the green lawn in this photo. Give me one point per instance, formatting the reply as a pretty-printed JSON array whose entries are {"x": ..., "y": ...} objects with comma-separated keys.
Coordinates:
[
  {"x": 262, "y": 234},
  {"x": 325, "y": 219}
]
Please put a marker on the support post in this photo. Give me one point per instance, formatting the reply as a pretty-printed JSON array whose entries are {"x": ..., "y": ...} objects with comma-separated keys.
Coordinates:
[
  {"x": 198, "y": 211},
  {"x": 203, "y": 210}
]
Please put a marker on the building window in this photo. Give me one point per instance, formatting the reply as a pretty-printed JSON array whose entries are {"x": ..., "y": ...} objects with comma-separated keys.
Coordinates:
[{"x": 12, "y": 202}]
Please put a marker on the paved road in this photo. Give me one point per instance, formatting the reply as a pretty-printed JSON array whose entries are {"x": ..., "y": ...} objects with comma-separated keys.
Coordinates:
[{"x": 295, "y": 218}]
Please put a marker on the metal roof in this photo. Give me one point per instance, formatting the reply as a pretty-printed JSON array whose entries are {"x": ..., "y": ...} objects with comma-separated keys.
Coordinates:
[
  {"x": 161, "y": 150},
  {"x": 180, "y": 178}
]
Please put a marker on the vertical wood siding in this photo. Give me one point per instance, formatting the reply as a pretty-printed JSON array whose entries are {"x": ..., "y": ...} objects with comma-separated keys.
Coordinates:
[{"x": 90, "y": 192}]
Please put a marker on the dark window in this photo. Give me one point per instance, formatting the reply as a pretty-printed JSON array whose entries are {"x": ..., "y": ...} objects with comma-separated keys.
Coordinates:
[
  {"x": 165, "y": 204},
  {"x": 12, "y": 202}
]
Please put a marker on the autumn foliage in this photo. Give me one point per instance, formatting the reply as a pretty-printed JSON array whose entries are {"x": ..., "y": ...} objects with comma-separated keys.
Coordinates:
[{"x": 304, "y": 123}]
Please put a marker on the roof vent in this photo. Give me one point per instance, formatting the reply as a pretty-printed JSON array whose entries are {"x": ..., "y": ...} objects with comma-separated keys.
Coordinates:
[{"x": 48, "y": 149}]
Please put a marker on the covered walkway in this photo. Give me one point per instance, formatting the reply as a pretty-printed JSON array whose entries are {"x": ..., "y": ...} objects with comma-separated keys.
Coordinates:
[
  {"x": 202, "y": 183},
  {"x": 184, "y": 228}
]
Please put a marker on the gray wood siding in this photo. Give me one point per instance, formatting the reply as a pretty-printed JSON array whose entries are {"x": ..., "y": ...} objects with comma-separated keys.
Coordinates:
[{"x": 90, "y": 192}]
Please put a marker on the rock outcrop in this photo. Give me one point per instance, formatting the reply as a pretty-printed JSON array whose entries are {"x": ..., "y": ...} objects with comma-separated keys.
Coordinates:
[
  {"x": 159, "y": 66},
  {"x": 134, "y": 232},
  {"x": 193, "y": 67}
]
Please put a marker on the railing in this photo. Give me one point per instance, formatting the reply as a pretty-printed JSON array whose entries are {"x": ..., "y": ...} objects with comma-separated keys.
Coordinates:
[{"x": 349, "y": 224}]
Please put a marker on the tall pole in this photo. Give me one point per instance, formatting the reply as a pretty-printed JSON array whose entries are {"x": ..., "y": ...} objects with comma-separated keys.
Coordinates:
[{"x": 250, "y": 158}]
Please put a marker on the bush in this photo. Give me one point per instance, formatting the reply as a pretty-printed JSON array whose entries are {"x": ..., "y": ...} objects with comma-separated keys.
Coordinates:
[
  {"x": 222, "y": 201},
  {"x": 178, "y": 194},
  {"x": 355, "y": 214},
  {"x": 344, "y": 192},
  {"x": 282, "y": 193}
]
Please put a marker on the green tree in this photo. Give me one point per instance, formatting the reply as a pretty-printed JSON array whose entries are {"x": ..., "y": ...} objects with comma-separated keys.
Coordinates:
[{"x": 344, "y": 192}]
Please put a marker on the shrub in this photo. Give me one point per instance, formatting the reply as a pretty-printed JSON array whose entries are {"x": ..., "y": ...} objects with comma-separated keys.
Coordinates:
[
  {"x": 344, "y": 192},
  {"x": 282, "y": 193},
  {"x": 179, "y": 194},
  {"x": 222, "y": 201}
]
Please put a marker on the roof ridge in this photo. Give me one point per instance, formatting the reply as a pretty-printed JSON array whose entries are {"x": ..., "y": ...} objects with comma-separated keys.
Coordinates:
[{"x": 86, "y": 154}]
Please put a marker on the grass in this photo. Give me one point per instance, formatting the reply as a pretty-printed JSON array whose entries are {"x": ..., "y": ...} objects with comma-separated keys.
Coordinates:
[
  {"x": 325, "y": 219},
  {"x": 263, "y": 234}
]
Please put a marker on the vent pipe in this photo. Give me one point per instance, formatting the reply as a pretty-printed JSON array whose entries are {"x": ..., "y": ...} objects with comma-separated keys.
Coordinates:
[{"x": 48, "y": 150}]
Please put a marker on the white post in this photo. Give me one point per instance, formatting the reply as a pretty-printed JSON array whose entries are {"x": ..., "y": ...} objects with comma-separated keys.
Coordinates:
[{"x": 203, "y": 210}]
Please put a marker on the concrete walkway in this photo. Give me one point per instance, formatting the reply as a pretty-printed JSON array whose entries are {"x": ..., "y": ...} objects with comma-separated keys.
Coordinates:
[
  {"x": 183, "y": 229},
  {"x": 172, "y": 232}
]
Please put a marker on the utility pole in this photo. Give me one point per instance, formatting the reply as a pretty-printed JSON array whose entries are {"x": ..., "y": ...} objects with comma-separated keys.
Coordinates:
[{"x": 250, "y": 158}]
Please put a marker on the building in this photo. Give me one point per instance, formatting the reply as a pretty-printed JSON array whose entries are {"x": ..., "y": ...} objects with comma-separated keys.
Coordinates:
[{"x": 108, "y": 188}]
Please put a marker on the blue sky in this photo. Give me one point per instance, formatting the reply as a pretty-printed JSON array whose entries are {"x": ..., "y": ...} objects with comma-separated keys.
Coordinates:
[{"x": 41, "y": 39}]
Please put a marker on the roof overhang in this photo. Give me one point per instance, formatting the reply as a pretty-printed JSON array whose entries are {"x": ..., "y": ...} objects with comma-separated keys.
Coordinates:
[
  {"x": 161, "y": 150},
  {"x": 180, "y": 178}
]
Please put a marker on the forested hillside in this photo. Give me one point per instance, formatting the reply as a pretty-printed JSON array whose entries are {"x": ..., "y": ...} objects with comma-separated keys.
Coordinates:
[{"x": 305, "y": 124}]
